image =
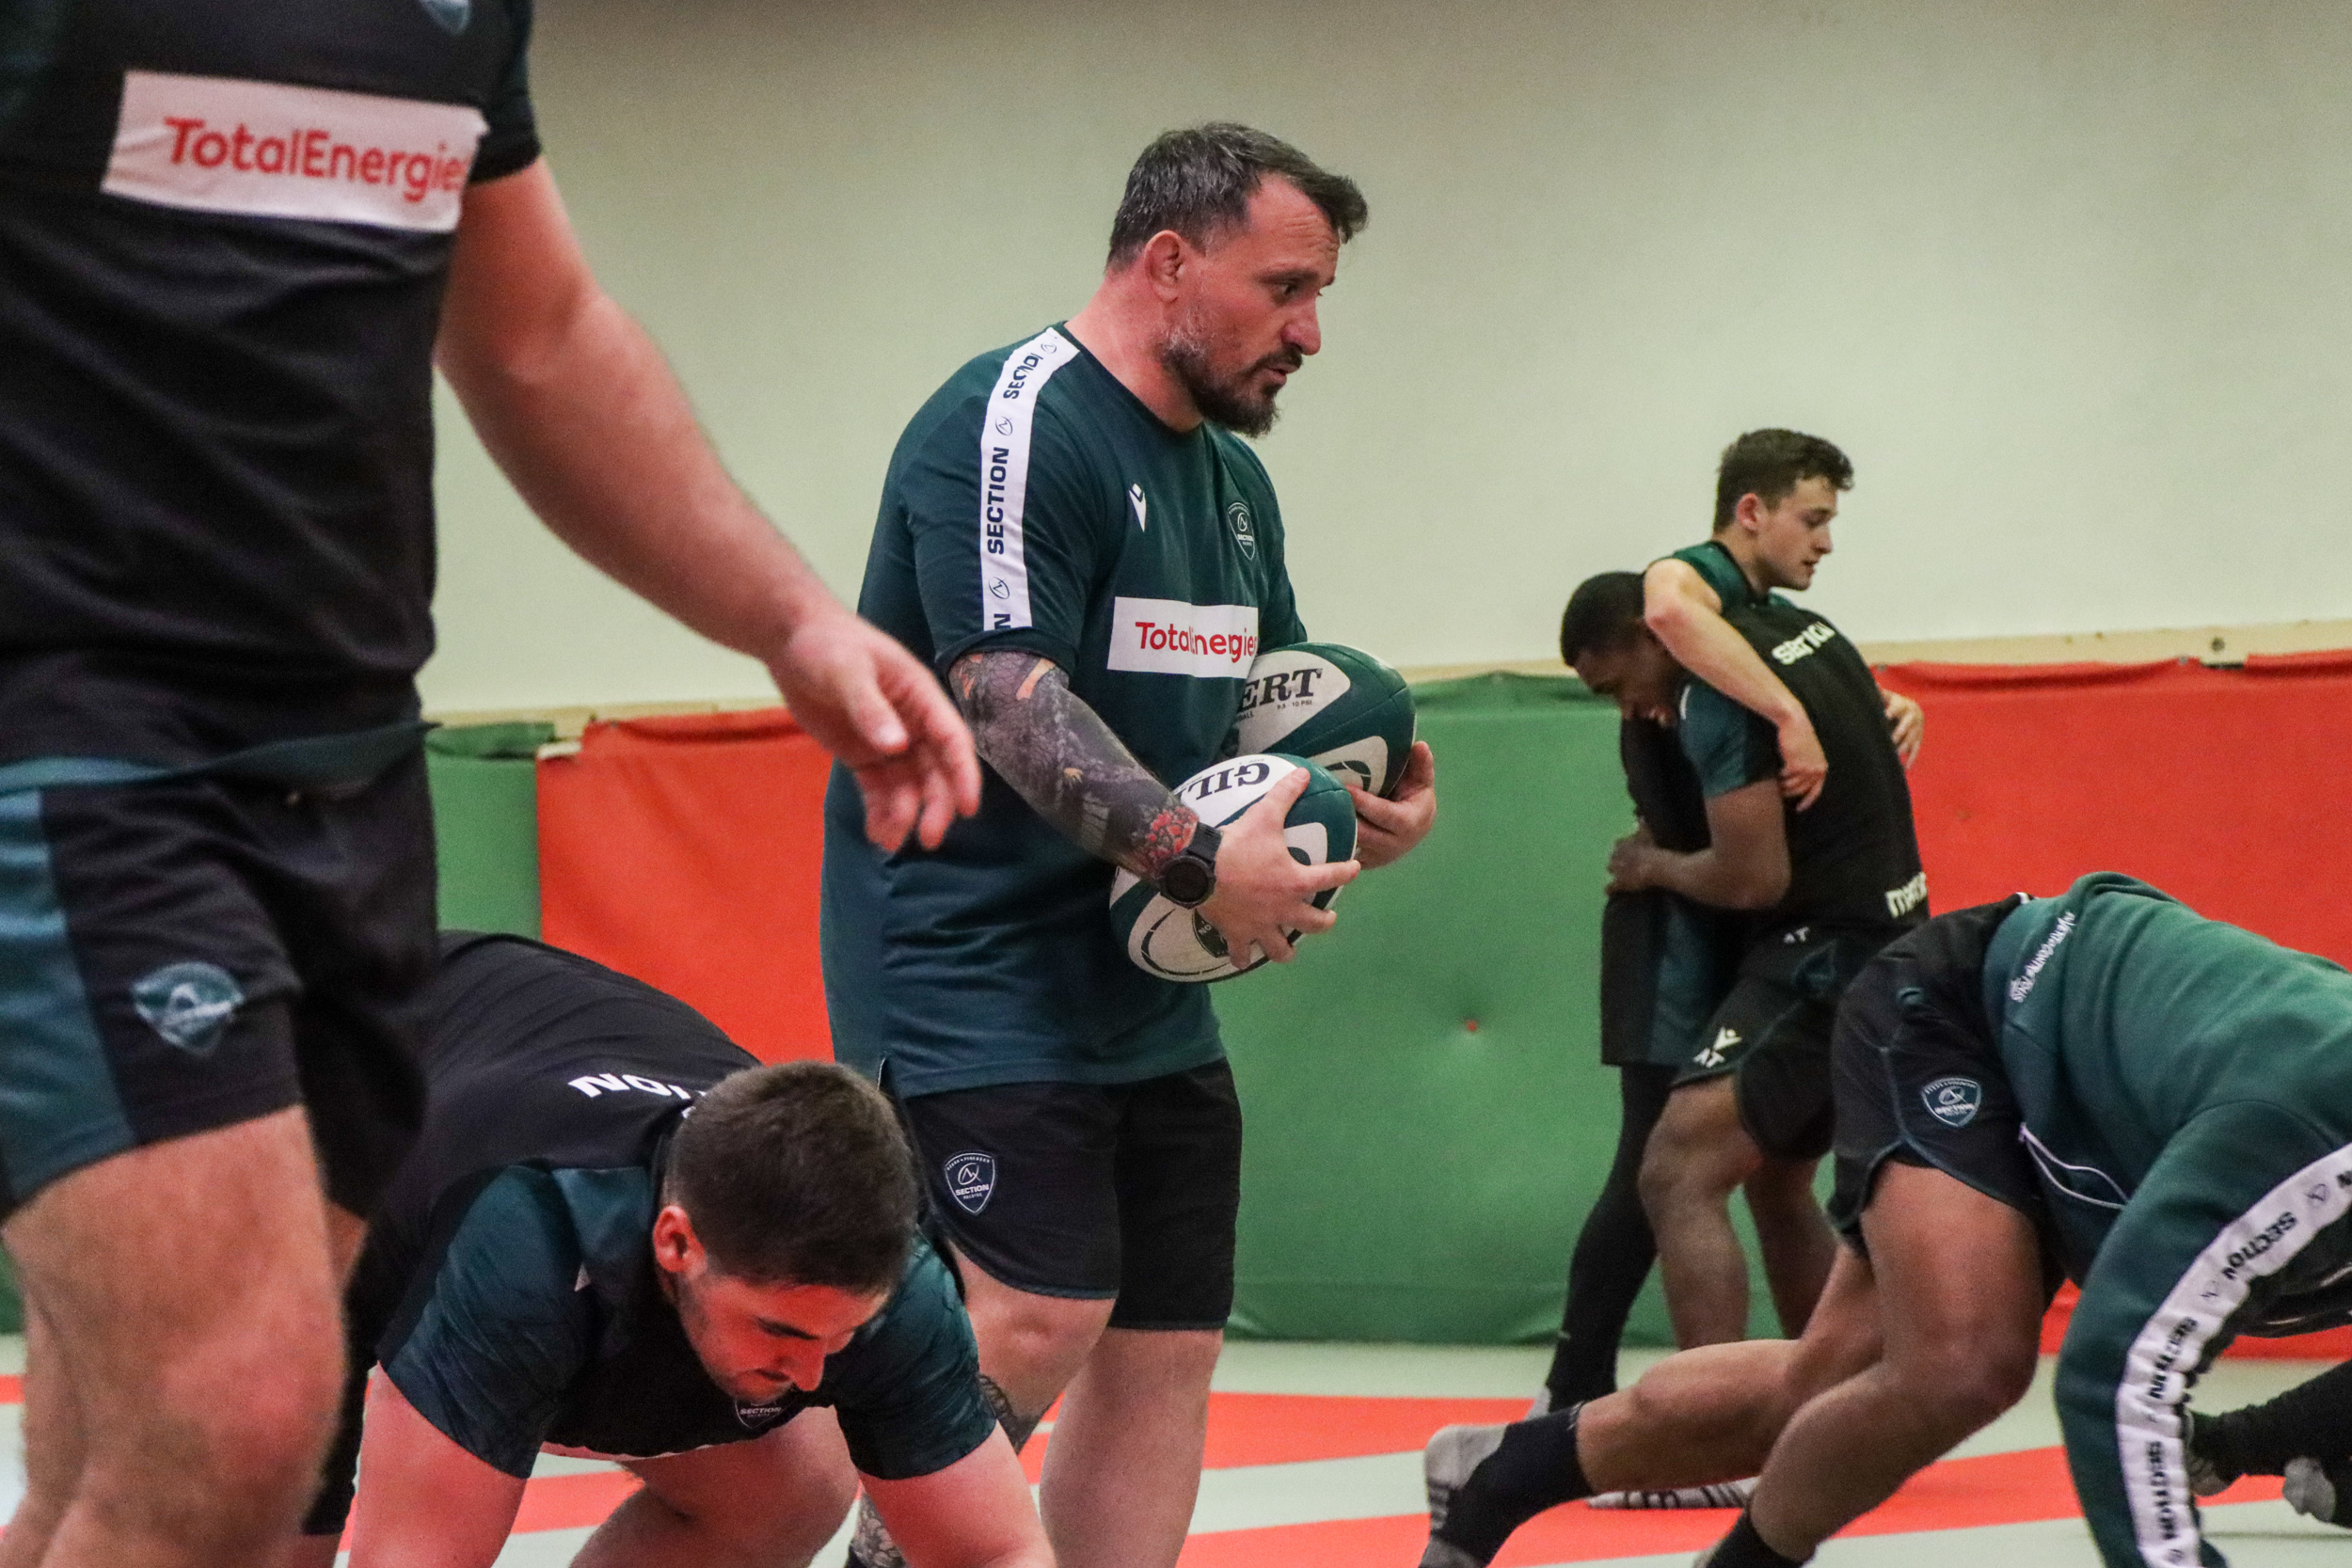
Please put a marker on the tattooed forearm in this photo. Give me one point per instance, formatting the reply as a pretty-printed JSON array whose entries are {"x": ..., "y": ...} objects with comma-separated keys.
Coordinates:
[{"x": 1056, "y": 750}]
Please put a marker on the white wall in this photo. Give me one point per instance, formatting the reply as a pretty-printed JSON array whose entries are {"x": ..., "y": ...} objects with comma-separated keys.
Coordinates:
[{"x": 2071, "y": 281}]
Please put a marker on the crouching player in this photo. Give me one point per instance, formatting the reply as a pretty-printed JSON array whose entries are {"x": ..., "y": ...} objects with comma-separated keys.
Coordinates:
[
  {"x": 2100, "y": 1083},
  {"x": 620, "y": 1236}
]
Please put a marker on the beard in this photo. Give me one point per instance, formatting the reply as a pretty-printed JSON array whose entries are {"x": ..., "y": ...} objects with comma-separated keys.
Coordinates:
[{"x": 1230, "y": 399}]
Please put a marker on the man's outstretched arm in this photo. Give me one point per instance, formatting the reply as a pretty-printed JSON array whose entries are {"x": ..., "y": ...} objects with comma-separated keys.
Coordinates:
[
  {"x": 577, "y": 405},
  {"x": 1688, "y": 617},
  {"x": 1069, "y": 766}
]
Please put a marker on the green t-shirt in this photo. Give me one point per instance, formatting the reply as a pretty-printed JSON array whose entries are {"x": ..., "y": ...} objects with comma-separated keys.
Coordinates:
[
  {"x": 1714, "y": 565},
  {"x": 1036, "y": 503}
]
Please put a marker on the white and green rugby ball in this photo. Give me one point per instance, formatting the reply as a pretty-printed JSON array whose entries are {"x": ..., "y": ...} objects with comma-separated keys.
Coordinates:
[
  {"x": 1333, "y": 705},
  {"x": 1169, "y": 941}
]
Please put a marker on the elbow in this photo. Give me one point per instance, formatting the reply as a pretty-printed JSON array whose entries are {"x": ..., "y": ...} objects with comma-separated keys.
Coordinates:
[
  {"x": 1666, "y": 615},
  {"x": 1760, "y": 890}
]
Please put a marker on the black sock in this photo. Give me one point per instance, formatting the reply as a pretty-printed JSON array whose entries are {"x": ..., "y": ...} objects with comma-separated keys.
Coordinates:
[
  {"x": 1745, "y": 1548},
  {"x": 1534, "y": 1469},
  {"x": 2311, "y": 1420}
]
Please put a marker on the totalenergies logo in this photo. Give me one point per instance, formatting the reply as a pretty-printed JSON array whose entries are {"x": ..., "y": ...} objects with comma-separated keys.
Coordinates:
[
  {"x": 272, "y": 149},
  {"x": 313, "y": 152}
]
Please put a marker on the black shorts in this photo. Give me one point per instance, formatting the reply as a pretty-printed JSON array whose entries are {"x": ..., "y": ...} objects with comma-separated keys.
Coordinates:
[
  {"x": 1772, "y": 1032},
  {"x": 1918, "y": 1077},
  {"x": 184, "y": 953},
  {"x": 1124, "y": 1192}
]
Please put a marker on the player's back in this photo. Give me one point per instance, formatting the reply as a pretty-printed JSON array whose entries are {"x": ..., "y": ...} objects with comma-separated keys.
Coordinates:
[
  {"x": 2125, "y": 1014},
  {"x": 1853, "y": 854}
]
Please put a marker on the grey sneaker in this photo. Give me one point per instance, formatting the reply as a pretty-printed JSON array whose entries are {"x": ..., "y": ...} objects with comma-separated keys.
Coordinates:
[
  {"x": 2321, "y": 1489},
  {"x": 1722, "y": 1493},
  {"x": 1446, "y": 1464}
]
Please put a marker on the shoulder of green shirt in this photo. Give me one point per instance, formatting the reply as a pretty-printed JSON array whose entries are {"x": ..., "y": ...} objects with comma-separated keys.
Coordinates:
[
  {"x": 1713, "y": 563},
  {"x": 1716, "y": 735}
]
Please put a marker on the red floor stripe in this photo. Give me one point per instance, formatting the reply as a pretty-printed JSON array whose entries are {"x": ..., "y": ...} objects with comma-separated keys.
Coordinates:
[{"x": 1990, "y": 1489}]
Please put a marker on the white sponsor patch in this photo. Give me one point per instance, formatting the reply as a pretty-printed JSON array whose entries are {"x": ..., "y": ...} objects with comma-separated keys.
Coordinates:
[
  {"x": 1168, "y": 637},
  {"x": 266, "y": 149}
]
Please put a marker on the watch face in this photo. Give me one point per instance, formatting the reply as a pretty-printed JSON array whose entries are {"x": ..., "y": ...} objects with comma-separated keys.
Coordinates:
[{"x": 1186, "y": 881}]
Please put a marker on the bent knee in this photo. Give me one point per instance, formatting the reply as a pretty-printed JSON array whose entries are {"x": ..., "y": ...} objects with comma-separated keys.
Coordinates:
[
  {"x": 1966, "y": 1384},
  {"x": 1034, "y": 1330}
]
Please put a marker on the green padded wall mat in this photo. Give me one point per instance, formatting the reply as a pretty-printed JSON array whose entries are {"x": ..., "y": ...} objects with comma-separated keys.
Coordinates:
[
  {"x": 485, "y": 822},
  {"x": 1428, "y": 1115}
]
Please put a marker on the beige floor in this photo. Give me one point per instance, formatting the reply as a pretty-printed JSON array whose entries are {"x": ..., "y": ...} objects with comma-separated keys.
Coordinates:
[{"x": 2258, "y": 1535}]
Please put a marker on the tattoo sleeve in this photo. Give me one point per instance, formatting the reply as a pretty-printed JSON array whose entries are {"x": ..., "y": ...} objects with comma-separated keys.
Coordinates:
[{"x": 1057, "y": 753}]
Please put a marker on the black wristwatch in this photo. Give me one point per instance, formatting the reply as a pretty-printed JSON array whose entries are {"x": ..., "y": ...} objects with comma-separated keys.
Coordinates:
[{"x": 1191, "y": 877}]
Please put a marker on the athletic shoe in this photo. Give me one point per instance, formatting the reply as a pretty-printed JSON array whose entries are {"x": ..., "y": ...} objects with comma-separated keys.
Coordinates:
[
  {"x": 1724, "y": 1493},
  {"x": 2321, "y": 1489},
  {"x": 1446, "y": 1464}
]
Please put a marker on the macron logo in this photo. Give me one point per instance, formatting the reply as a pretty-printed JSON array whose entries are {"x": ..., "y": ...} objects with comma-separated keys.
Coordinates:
[
  {"x": 266, "y": 149},
  {"x": 1168, "y": 637}
]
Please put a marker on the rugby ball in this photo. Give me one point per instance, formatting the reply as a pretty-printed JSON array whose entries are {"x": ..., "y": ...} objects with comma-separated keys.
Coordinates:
[
  {"x": 1333, "y": 705},
  {"x": 1169, "y": 941}
]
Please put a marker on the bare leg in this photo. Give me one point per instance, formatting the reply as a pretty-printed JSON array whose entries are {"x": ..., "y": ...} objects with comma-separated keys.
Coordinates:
[
  {"x": 764, "y": 1504},
  {"x": 1707, "y": 1414},
  {"x": 1124, "y": 1465},
  {"x": 1698, "y": 1155},
  {"x": 1794, "y": 1236},
  {"x": 1712, "y": 1413},
  {"x": 53, "y": 1445},
  {"x": 188, "y": 1293},
  {"x": 1031, "y": 1346},
  {"x": 1959, "y": 1286}
]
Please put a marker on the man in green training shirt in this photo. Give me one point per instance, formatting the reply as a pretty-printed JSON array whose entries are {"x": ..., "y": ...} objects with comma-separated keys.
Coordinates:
[
  {"x": 2101, "y": 1084},
  {"x": 1775, "y": 496},
  {"x": 1077, "y": 537}
]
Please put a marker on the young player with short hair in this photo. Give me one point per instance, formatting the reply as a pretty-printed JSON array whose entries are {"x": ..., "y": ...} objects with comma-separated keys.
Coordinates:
[{"x": 621, "y": 1236}]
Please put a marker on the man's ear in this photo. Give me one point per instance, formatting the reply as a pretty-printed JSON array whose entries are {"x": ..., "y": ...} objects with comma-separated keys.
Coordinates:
[
  {"x": 1750, "y": 513},
  {"x": 675, "y": 1247},
  {"x": 1163, "y": 261}
]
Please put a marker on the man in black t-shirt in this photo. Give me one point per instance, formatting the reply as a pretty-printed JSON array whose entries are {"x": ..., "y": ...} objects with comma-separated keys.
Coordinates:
[
  {"x": 618, "y": 1235},
  {"x": 1820, "y": 890},
  {"x": 235, "y": 237}
]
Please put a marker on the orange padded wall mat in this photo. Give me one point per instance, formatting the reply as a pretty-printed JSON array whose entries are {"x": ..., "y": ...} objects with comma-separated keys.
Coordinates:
[
  {"x": 685, "y": 852},
  {"x": 2224, "y": 787}
]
